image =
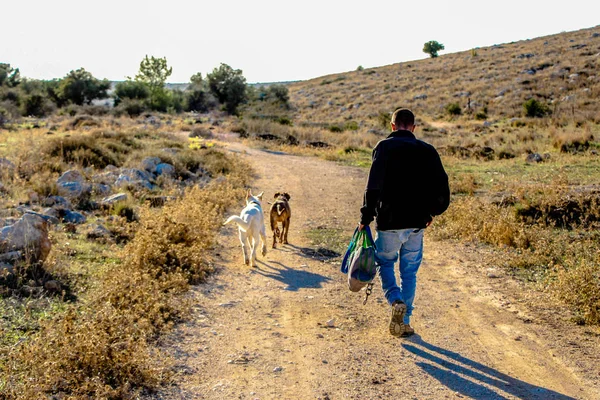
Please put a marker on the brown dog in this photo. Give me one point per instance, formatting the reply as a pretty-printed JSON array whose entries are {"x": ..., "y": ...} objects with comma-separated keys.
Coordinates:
[{"x": 280, "y": 212}]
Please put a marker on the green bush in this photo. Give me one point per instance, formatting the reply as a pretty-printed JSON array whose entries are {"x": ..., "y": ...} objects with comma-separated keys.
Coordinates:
[
  {"x": 80, "y": 87},
  {"x": 198, "y": 99},
  {"x": 36, "y": 105},
  {"x": 130, "y": 90},
  {"x": 131, "y": 107},
  {"x": 453, "y": 109},
  {"x": 535, "y": 109}
]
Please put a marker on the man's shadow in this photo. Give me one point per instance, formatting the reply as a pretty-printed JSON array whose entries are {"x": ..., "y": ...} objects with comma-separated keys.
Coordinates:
[
  {"x": 294, "y": 278},
  {"x": 471, "y": 378}
]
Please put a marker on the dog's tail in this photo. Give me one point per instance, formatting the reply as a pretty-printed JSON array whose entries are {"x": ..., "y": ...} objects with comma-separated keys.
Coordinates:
[
  {"x": 279, "y": 209},
  {"x": 243, "y": 225}
]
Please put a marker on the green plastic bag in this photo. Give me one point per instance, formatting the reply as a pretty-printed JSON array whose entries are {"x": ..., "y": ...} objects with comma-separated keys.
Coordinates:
[{"x": 359, "y": 261}]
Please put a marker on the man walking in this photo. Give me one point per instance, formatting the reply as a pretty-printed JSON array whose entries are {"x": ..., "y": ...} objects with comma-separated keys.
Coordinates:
[{"x": 406, "y": 188}]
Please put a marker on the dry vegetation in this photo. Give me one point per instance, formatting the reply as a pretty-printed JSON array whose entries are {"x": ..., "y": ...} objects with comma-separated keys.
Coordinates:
[
  {"x": 518, "y": 127},
  {"x": 95, "y": 338}
]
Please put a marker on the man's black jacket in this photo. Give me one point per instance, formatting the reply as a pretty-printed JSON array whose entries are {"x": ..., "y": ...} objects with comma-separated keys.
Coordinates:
[{"x": 407, "y": 184}]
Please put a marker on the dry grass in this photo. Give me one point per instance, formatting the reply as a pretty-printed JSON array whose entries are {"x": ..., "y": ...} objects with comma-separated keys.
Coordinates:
[{"x": 97, "y": 339}]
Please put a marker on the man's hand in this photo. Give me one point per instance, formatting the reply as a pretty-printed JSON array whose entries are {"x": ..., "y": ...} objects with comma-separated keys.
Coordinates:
[{"x": 429, "y": 223}]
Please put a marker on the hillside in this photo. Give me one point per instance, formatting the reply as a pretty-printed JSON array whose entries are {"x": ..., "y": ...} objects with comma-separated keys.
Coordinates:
[{"x": 561, "y": 70}]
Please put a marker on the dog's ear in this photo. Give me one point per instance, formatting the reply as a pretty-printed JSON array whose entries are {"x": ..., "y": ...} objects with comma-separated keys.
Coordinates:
[
  {"x": 276, "y": 195},
  {"x": 286, "y": 195},
  {"x": 259, "y": 196},
  {"x": 248, "y": 194}
]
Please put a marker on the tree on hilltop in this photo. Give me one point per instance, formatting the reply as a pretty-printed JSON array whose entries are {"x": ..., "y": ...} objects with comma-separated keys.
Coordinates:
[{"x": 432, "y": 47}]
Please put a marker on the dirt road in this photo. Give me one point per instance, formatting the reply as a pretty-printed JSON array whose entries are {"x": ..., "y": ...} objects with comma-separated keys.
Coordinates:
[{"x": 290, "y": 329}]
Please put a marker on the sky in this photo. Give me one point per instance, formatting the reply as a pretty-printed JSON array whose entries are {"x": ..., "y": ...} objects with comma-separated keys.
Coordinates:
[{"x": 269, "y": 40}]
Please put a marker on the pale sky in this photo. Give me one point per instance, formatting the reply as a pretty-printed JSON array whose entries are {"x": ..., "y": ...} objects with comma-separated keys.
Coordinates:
[{"x": 268, "y": 40}]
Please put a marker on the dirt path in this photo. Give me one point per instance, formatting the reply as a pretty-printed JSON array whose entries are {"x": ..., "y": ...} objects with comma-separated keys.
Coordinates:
[{"x": 290, "y": 329}]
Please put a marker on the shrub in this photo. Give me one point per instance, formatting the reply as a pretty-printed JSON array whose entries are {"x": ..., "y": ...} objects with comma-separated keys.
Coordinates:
[
  {"x": 3, "y": 117},
  {"x": 579, "y": 286},
  {"x": 453, "y": 109},
  {"x": 198, "y": 100},
  {"x": 131, "y": 90},
  {"x": 482, "y": 114},
  {"x": 535, "y": 109},
  {"x": 36, "y": 105},
  {"x": 131, "y": 107},
  {"x": 82, "y": 150}
]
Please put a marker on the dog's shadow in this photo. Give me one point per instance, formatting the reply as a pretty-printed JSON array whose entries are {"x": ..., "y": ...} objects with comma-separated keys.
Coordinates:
[{"x": 294, "y": 278}]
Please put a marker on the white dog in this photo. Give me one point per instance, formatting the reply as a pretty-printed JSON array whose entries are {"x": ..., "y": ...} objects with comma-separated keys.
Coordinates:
[{"x": 251, "y": 225}]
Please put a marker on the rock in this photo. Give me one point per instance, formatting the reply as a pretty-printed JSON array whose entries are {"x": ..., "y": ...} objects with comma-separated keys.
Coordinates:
[
  {"x": 71, "y": 176},
  {"x": 11, "y": 256},
  {"x": 97, "y": 231},
  {"x": 115, "y": 198},
  {"x": 487, "y": 124},
  {"x": 420, "y": 97},
  {"x": 7, "y": 221},
  {"x": 73, "y": 190},
  {"x": 107, "y": 177},
  {"x": 318, "y": 144},
  {"x": 277, "y": 369},
  {"x": 31, "y": 291},
  {"x": 595, "y": 34},
  {"x": 534, "y": 158},
  {"x": 135, "y": 177},
  {"x": 126, "y": 181},
  {"x": 135, "y": 174},
  {"x": 165, "y": 169},
  {"x": 149, "y": 164},
  {"x": 170, "y": 150},
  {"x": 462, "y": 94},
  {"x": 47, "y": 217},
  {"x": 74, "y": 217},
  {"x": 53, "y": 286},
  {"x": 28, "y": 235},
  {"x": 53, "y": 200},
  {"x": 331, "y": 323},
  {"x": 100, "y": 189}
]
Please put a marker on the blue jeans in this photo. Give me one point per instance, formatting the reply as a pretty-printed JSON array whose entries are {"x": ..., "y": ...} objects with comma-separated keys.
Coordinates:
[{"x": 406, "y": 244}]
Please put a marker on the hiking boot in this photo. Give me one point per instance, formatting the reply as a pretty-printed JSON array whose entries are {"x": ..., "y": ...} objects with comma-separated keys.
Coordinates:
[
  {"x": 397, "y": 320},
  {"x": 408, "y": 331}
]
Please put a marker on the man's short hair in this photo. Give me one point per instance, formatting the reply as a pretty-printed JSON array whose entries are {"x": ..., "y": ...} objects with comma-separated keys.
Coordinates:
[{"x": 403, "y": 118}]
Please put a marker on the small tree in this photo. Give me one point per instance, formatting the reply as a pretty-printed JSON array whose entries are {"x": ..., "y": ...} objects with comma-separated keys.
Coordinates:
[
  {"x": 229, "y": 86},
  {"x": 197, "y": 80},
  {"x": 154, "y": 72},
  {"x": 80, "y": 87},
  {"x": 9, "y": 76},
  {"x": 432, "y": 47},
  {"x": 535, "y": 109}
]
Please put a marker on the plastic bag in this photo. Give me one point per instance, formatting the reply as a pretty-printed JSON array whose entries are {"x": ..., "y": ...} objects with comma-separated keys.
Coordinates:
[{"x": 359, "y": 260}]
